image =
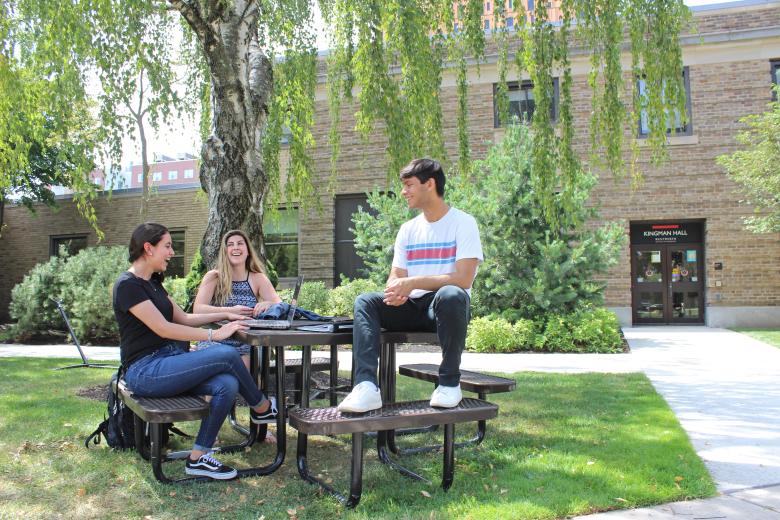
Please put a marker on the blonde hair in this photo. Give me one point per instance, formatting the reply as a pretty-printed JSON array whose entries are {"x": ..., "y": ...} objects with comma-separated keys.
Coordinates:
[{"x": 224, "y": 279}]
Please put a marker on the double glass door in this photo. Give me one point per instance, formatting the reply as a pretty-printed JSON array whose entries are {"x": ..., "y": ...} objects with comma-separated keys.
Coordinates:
[{"x": 667, "y": 283}]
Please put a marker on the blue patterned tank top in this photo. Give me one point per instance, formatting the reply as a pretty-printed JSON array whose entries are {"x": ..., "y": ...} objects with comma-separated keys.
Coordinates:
[{"x": 241, "y": 294}]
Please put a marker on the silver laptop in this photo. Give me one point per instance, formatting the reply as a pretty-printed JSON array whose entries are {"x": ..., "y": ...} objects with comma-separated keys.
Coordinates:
[{"x": 279, "y": 324}]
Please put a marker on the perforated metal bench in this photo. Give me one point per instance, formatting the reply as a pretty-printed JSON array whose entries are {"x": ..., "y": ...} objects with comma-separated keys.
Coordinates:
[
  {"x": 481, "y": 384},
  {"x": 329, "y": 421},
  {"x": 153, "y": 413}
]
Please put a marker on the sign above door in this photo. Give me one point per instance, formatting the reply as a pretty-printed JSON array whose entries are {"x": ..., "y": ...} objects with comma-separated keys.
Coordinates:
[{"x": 667, "y": 233}]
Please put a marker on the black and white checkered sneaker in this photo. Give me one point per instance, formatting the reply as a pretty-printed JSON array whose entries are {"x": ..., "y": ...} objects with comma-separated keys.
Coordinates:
[{"x": 208, "y": 466}]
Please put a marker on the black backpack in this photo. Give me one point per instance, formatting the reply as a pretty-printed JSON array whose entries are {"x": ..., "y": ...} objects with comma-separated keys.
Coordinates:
[{"x": 119, "y": 427}]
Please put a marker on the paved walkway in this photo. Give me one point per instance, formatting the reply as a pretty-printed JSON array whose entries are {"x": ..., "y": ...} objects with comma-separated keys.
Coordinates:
[{"x": 723, "y": 386}]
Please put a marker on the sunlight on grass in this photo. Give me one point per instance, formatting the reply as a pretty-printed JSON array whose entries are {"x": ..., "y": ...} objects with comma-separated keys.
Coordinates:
[
  {"x": 768, "y": 336},
  {"x": 562, "y": 445}
]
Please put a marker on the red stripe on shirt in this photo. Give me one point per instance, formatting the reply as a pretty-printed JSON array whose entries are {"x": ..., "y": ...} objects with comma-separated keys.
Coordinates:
[{"x": 444, "y": 252}]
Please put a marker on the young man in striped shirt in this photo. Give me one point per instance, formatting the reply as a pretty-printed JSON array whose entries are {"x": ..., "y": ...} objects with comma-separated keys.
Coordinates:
[{"x": 429, "y": 288}]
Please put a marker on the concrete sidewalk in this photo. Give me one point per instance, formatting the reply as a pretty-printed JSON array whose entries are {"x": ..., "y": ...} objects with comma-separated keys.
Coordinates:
[{"x": 723, "y": 386}]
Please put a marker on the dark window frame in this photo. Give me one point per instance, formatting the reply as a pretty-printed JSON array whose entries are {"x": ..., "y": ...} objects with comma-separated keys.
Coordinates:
[
  {"x": 774, "y": 75},
  {"x": 54, "y": 242},
  {"x": 688, "y": 128},
  {"x": 527, "y": 84},
  {"x": 178, "y": 252},
  {"x": 340, "y": 234},
  {"x": 297, "y": 242}
]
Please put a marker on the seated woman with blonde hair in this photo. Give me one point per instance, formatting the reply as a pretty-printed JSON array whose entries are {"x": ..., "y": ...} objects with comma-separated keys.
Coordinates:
[{"x": 237, "y": 285}]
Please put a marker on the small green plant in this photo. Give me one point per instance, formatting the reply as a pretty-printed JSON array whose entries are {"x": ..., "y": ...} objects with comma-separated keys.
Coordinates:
[
  {"x": 341, "y": 300},
  {"x": 496, "y": 334},
  {"x": 177, "y": 289},
  {"x": 314, "y": 297}
]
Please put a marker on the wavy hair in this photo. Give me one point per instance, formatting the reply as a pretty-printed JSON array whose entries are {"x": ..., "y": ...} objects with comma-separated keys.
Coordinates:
[{"x": 224, "y": 279}]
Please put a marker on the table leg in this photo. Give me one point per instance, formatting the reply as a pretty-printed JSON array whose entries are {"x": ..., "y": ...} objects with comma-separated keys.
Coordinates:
[
  {"x": 281, "y": 426},
  {"x": 334, "y": 372}
]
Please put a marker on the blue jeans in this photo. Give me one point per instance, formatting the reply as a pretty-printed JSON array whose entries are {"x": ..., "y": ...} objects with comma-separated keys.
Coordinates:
[
  {"x": 217, "y": 371},
  {"x": 445, "y": 312}
]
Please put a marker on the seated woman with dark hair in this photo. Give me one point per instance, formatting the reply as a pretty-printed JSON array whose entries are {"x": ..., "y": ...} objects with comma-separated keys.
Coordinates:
[{"x": 151, "y": 329}]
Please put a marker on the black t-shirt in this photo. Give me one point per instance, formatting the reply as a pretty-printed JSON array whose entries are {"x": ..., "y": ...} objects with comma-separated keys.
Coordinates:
[{"x": 136, "y": 339}]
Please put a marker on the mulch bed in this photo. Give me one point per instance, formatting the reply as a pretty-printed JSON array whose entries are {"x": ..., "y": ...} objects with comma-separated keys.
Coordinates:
[{"x": 318, "y": 380}]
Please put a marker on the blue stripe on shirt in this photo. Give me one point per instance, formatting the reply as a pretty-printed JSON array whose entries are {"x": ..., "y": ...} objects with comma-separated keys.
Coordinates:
[{"x": 433, "y": 245}]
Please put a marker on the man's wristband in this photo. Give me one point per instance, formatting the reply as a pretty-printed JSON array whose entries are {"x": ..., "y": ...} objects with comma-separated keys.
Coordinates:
[{"x": 210, "y": 331}]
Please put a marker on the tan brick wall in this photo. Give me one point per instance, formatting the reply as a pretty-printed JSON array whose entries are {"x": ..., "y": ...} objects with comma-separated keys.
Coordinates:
[{"x": 25, "y": 240}]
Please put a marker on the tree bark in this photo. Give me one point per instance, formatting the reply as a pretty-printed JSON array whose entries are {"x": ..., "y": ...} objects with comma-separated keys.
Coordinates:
[{"x": 232, "y": 173}]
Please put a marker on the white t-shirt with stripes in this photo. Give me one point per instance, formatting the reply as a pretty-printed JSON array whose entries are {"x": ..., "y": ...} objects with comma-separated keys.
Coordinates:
[{"x": 431, "y": 248}]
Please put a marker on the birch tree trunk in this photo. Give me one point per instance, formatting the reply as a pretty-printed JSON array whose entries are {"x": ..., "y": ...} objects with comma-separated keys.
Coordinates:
[{"x": 231, "y": 172}]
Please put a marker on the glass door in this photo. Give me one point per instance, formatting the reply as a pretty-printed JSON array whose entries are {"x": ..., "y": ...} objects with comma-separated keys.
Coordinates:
[
  {"x": 667, "y": 283},
  {"x": 649, "y": 292},
  {"x": 686, "y": 297}
]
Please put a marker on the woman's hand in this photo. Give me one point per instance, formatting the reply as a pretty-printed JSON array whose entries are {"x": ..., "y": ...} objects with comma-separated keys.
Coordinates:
[
  {"x": 261, "y": 307},
  {"x": 232, "y": 316},
  {"x": 240, "y": 309},
  {"x": 227, "y": 330}
]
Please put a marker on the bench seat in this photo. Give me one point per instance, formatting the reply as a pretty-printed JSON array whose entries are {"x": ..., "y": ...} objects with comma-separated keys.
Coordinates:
[
  {"x": 470, "y": 381},
  {"x": 329, "y": 421},
  {"x": 481, "y": 384},
  {"x": 410, "y": 414}
]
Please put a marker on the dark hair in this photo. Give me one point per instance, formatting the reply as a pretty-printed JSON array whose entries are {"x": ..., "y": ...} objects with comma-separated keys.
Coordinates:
[
  {"x": 425, "y": 169},
  {"x": 147, "y": 232}
]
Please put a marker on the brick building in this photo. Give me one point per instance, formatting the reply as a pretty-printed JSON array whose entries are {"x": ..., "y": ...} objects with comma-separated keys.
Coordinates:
[{"x": 689, "y": 260}]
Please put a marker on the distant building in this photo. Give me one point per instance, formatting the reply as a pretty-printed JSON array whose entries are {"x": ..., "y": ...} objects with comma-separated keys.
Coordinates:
[
  {"x": 512, "y": 10},
  {"x": 167, "y": 171}
]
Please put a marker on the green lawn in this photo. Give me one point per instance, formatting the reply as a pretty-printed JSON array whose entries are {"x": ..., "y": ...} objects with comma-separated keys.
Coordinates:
[
  {"x": 769, "y": 336},
  {"x": 562, "y": 445}
]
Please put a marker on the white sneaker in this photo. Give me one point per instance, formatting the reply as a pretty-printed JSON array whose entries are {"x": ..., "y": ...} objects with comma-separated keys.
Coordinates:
[
  {"x": 446, "y": 396},
  {"x": 364, "y": 397}
]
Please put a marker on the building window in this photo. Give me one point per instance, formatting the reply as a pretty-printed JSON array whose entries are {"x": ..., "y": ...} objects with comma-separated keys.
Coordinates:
[
  {"x": 157, "y": 176},
  {"x": 487, "y": 25},
  {"x": 173, "y": 175},
  {"x": 176, "y": 264},
  {"x": 487, "y": 8},
  {"x": 189, "y": 174},
  {"x": 775, "y": 69},
  {"x": 140, "y": 178},
  {"x": 455, "y": 27},
  {"x": 99, "y": 181},
  {"x": 510, "y": 23},
  {"x": 348, "y": 263},
  {"x": 509, "y": 4},
  {"x": 530, "y": 5},
  {"x": 71, "y": 244},
  {"x": 674, "y": 121},
  {"x": 521, "y": 102},
  {"x": 281, "y": 241}
]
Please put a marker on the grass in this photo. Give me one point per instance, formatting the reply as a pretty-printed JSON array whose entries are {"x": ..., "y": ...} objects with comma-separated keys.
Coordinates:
[
  {"x": 769, "y": 336},
  {"x": 562, "y": 445}
]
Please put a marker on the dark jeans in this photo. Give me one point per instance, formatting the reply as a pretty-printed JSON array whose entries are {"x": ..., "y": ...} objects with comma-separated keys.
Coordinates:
[
  {"x": 445, "y": 312},
  {"x": 217, "y": 371}
]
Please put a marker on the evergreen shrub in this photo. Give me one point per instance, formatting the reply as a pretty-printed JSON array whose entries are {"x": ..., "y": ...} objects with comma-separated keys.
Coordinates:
[
  {"x": 82, "y": 282},
  {"x": 30, "y": 308}
]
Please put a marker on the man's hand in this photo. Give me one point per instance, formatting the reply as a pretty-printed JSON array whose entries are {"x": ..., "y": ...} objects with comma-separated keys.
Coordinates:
[{"x": 397, "y": 291}]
